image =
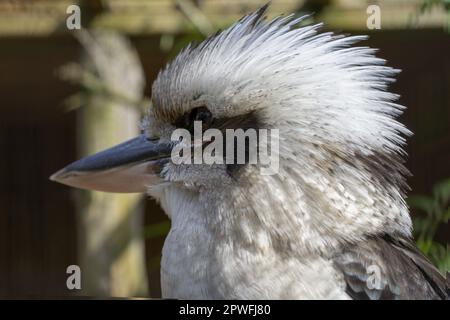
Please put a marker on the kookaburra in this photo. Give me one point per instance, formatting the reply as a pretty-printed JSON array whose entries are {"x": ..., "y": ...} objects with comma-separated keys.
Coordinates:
[{"x": 332, "y": 223}]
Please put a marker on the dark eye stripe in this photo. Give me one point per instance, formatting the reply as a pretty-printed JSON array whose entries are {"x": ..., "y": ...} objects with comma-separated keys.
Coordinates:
[{"x": 197, "y": 114}]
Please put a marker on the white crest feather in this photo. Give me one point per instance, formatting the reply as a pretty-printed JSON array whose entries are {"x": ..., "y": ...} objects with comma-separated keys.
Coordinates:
[{"x": 316, "y": 78}]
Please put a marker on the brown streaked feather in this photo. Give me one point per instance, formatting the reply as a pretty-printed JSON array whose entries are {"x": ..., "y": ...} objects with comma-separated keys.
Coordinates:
[{"x": 405, "y": 273}]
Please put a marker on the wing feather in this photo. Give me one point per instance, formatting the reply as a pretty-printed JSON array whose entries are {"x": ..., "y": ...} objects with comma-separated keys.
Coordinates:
[{"x": 385, "y": 267}]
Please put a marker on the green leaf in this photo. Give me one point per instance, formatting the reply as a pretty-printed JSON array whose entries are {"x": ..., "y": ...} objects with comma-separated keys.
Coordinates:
[
  {"x": 446, "y": 216},
  {"x": 157, "y": 230},
  {"x": 423, "y": 203},
  {"x": 424, "y": 245},
  {"x": 441, "y": 191}
]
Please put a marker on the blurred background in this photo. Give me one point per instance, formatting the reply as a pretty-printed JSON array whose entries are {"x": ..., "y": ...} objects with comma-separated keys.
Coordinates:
[{"x": 66, "y": 92}]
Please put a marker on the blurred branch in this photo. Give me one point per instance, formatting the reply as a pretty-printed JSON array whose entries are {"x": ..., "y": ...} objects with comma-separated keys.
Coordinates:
[
  {"x": 78, "y": 75},
  {"x": 196, "y": 17}
]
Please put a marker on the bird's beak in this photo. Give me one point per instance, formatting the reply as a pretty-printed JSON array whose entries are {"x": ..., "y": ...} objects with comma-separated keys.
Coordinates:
[{"x": 131, "y": 166}]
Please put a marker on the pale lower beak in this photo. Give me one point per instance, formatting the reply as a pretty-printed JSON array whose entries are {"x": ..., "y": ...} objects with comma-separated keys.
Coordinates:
[{"x": 131, "y": 166}]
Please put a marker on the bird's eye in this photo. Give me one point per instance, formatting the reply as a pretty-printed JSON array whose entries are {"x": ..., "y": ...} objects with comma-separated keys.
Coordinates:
[
  {"x": 197, "y": 114},
  {"x": 201, "y": 114}
]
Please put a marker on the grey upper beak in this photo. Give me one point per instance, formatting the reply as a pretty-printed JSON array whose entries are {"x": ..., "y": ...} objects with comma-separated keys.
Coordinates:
[{"x": 128, "y": 167}]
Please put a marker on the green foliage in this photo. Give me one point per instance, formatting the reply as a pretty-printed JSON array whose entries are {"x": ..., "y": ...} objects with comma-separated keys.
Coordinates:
[
  {"x": 157, "y": 230},
  {"x": 428, "y": 5},
  {"x": 152, "y": 232},
  {"x": 436, "y": 209}
]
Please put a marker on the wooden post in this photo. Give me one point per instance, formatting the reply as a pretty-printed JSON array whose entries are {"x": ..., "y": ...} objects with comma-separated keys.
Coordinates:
[{"x": 111, "y": 244}]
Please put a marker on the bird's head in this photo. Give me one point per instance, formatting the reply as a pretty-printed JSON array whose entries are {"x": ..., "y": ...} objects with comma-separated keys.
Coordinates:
[{"x": 338, "y": 137}]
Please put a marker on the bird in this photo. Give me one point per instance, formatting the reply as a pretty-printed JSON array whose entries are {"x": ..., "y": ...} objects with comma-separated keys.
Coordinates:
[{"x": 331, "y": 223}]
